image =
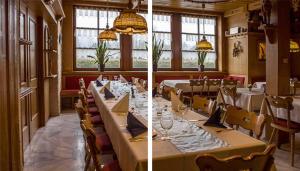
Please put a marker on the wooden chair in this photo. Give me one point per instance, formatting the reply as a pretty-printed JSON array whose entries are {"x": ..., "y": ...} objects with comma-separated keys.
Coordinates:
[
  {"x": 83, "y": 114},
  {"x": 296, "y": 87},
  {"x": 204, "y": 105},
  {"x": 227, "y": 91},
  {"x": 257, "y": 161},
  {"x": 285, "y": 125},
  {"x": 93, "y": 150},
  {"x": 197, "y": 83},
  {"x": 210, "y": 83},
  {"x": 184, "y": 98},
  {"x": 247, "y": 120},
  {"x": 229, "y": 83}
]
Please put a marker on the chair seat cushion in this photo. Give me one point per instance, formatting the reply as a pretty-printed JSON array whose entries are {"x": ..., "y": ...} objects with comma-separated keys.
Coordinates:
[
  {"x": 103, "y": 143},
  {"x": 90, "y": 96},
  {"x": 93, "y": 110},
  {"x": 96, "y": 120},
  {"x": 112, "y": 166},
  {"x": 90, "y": 100},
  {"x": 283, "y": 123}
]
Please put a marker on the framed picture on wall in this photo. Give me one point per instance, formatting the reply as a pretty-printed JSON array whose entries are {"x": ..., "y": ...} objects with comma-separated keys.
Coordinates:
[{"x": 261, "y": 49}]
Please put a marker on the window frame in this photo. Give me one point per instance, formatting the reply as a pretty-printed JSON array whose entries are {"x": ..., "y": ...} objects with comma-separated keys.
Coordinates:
[
  {"x": 98, "y": 29},
  {"x": 153, "y": 32},
  {"x": 199, "y": 35}
]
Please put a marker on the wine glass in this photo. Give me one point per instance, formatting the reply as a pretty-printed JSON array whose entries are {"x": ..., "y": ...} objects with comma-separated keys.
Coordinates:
[
  {"x": 182, "y": 108},
  {"x": 166, "y": 123}
]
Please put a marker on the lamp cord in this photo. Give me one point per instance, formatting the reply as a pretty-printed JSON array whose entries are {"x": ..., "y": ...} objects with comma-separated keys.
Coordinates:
[{"x": 107, "y": 26}]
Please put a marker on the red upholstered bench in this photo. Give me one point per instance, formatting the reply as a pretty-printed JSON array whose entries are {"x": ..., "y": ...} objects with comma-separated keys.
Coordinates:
[
  {"x": 70, "y": 88},
  {"x": 239, "y": 78}
]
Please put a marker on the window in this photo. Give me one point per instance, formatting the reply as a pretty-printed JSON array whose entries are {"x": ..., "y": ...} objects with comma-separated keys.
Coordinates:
[
  {"x": 192, "y": 31},
  {"x": 162, "y": 31},
  {"x": 139, "y": 51},
  {"x": 89, "y": 23}
]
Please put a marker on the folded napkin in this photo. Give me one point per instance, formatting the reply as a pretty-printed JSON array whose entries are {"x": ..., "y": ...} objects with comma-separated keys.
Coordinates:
[
  {"x": 100, "y": 78},
  {"x": 98, "y": 83},
  {"x": 154, "y": 92},
  {"x": 215, "y": 119},
  {"x": 175, "y": 101},
  {"x": 139, "y": 87},
  {"x": 108, "y": 94},
  {"x": 134, "y": 126},
  {"x": 123, "y": 80},
  {"x": 107, "y": 85},
  {"x": 122, "y": 105},
  {"x": 135, "y": 80}
]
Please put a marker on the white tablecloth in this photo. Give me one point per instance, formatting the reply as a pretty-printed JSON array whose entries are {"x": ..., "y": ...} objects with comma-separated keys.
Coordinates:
[
  {"x": 295, "y": 113},
  {"x": 248, "y": 100}
]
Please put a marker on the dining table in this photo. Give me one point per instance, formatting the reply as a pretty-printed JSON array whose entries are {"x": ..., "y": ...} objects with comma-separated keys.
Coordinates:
[
  {"x": 132, "y": 155},
  {"x": 184, "y": 85},
  {"x": 189, "y": 138},
  {"x": 250, "y": 100}
]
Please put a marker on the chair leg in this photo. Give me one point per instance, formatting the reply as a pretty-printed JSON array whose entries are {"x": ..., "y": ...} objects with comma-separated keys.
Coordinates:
[
  {"x": 292, "y": 135},
  {"x": 87, "y": 162},
  {"x": 272, "y": 135}
]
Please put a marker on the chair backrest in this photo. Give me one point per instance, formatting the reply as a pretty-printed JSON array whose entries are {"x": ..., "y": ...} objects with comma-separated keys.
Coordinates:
[
  {"x": 258, "y": 161},
  {"x": 229, "y": 83},
  {"x": 228, "y": 91},
  {"x": 90, "y": 137},
  {"x": 296, "y": 87},
  {"x": 212, "y": 82},
  {"x": 247, "y": 120},
  {"x": 80, "y": 109},
  {"x": 197, "y": 83},
  {"x": 280, "y": 103},
  {"x": 82, "y": 97}
]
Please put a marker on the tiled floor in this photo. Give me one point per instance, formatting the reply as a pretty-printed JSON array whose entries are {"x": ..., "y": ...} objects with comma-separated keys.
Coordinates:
[{"x": 59, "y": 146}]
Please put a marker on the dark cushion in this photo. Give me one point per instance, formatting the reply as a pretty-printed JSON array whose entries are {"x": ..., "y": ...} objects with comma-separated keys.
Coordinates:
[
  {"x": 103, "y": 143},
  {"x": 96, "y": 120},
  {"x": 112, "y": 166},
  {"x": 283, "y": 123},
  {"x": 90, "y": 96},
  {"x": 72, "y": 82},
  {"x": 90, "y": 100}
]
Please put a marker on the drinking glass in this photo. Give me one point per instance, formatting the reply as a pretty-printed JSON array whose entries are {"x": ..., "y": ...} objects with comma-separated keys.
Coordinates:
[
  {"x": 166, "y": 123},
  {"x": 182, "y": 108}
]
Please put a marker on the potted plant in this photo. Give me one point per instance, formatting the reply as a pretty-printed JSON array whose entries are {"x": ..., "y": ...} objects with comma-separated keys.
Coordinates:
[
  {"x": 102, "y": 56},
  {"x": 157, "y": 50},
  {"x": 201, "y": 59}
]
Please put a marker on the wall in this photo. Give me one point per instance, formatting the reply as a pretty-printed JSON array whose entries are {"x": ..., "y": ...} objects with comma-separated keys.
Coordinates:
[
  {"x": 295, "y": 62},
  {"x": 247, "y": 62},
  {"x": 67, "y": 29}
]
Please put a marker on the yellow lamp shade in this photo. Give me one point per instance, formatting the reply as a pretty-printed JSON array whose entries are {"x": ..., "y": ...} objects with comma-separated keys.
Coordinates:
[
  {"x": 294, "y": 46},
  {"x": 107, "y": 35},
  {"x": 129, "y": 22},
  {"x": 203, "y": 45}
]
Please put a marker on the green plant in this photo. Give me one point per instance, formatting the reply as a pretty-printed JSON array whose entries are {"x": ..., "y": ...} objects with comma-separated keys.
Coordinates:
[
  {"x": 201, "y": 57},
  {"x": 102, "y": 54},
  {"x": 157, "y": 49}
]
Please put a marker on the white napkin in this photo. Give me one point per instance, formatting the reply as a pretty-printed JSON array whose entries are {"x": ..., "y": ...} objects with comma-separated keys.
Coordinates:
[
  {"x": 123, "y": 80},
  {"x": 107, "y": 85},
  {"x": 100, "y": 78},
  {"x": 135, "y": 80},
  {"x": 122, "y": 105},
  {"x": 175, "y": 101}
]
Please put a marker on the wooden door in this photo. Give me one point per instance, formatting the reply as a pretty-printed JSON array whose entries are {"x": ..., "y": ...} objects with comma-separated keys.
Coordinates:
[
  {"x": 28, "y": 74},
  {"x": 33, "y": 76}
]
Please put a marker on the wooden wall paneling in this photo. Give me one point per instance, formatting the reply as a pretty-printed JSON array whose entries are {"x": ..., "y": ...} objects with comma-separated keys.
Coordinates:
[{"x": 126, "y": 53}]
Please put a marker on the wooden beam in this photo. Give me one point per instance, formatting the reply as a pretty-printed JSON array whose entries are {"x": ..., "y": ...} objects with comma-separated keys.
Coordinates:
[{"x": 277, "y": 53}]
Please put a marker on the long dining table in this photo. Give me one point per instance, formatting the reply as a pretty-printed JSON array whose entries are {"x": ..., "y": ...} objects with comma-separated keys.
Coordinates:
[
  {"x": 177, "y": 154},
  {"x": 132, "y": 156},
  {"x": 189, "y": 138}
]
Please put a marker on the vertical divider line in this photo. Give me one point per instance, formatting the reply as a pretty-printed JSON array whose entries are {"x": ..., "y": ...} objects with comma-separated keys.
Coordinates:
[{"x": 149, "y": 21}]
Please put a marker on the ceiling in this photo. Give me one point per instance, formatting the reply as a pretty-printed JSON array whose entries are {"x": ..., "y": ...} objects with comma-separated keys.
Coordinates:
[
  {"x": 182, "y": 4},
  {"x": 218, "y": 7}
]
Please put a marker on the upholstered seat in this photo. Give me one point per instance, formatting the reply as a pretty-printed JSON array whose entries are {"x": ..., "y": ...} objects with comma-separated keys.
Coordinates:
[
  {"x": 93, "y": 110},
  {"x": 112, "y": 166},
  {"x": 283, "y": 123},
  {"x": 96, "y": 120},
  {"x": 103, "y": 143},
  {"x": 90, "y": 100}
]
